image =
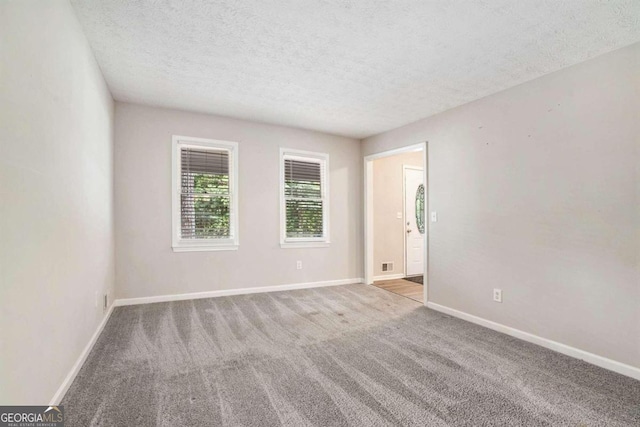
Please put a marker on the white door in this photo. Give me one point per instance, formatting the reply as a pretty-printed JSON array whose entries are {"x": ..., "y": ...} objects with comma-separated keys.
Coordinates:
[{"x": 414, "y": 202}]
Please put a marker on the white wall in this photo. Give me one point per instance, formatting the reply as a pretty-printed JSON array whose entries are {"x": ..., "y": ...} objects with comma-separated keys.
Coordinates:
[
  {"x": 146, "y": 264},
  {"x": 388, "y": 200},
  {"x": 537, "y": 190},
  {"x": 56, "y": 233}
]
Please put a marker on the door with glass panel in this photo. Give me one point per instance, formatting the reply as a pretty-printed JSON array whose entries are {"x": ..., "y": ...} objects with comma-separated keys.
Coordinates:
[{"x": 414, "y": 199}]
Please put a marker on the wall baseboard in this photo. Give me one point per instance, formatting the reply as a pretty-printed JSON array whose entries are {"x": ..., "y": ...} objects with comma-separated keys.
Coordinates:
[
  {"x": 389, "y": 277},
  {"x": 228, "y": 292},
  {"x": 594, "y": 359},
  {"x": 62, "y": 390}
]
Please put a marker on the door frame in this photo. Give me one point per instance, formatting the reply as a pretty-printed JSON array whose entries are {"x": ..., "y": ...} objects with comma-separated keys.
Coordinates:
[
  {"x": 368, "y": 209},
  {"x": 404, "y": 212}
]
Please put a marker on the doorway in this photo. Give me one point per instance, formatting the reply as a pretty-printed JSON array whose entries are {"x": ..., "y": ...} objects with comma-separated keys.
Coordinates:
[{"x": 396, "y": 231}]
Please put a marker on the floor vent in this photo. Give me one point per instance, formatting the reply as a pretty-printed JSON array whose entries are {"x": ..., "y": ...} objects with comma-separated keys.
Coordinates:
[{"x": 387, "y": 266}]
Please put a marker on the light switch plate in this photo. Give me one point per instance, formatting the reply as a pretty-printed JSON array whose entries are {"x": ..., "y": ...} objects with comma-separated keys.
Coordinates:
[
  {"x": 399, "y": 215},
  {"x": 434, "y": 216}
]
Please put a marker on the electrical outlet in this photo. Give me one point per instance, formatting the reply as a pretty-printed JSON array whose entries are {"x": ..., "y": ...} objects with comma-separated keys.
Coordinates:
[
  {"x": 434, "y": 216},
  {"x": 497, "y": 295},
  {"x": 399, "y": 215},
  {"x": 299, "y": 265}
]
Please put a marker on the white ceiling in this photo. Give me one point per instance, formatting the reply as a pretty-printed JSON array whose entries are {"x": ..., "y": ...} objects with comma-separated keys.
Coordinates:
[{"x": 353, "y": 68}]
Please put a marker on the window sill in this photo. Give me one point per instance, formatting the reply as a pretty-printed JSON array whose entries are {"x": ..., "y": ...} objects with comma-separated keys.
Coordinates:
[
  {"x": 205, "y": 248},
  {"x": 291, "y": 245}
]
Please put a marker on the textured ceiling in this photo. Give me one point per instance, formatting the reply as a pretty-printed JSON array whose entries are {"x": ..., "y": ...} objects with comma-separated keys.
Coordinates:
[{"x": 354, "y": 68}]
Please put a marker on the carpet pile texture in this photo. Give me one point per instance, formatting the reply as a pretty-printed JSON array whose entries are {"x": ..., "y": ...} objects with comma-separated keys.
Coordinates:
[{"x": 344, "y": 355}]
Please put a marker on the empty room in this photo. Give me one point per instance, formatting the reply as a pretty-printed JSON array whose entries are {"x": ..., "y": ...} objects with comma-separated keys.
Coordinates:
[{"x": 319, "y": 213}]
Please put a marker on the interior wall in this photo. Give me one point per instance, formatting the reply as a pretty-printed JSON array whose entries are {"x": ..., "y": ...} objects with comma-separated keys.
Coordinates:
[
  {"x": 388, "y": 202},
  {"x": 56, "y": 182},
  {"x": 146, "y": 263},
  {"x": 537, "y": 191}
]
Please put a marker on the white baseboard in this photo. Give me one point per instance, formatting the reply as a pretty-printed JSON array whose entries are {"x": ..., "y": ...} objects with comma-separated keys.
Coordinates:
[
  {"x": 594, "y": 359},
  {"x": 389, "y": 277},
  {"x": 62, "y": 390},
  {"x": 227, "y": 292}
]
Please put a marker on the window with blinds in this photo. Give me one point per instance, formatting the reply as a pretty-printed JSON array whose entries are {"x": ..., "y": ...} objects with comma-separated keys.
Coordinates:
[
  {"x": 204, "y": 203},
  {"x": 205, "y": 196},
  {"x": 304, "y": 197}
]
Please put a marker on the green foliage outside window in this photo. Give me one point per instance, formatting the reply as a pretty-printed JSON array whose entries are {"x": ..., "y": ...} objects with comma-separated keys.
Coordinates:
[
  {"x": 303, "y": 209},
  {"x": 206, "y": 207}
]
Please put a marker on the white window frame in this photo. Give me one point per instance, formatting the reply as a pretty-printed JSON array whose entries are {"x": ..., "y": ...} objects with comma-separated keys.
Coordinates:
[
  {"x": 305, "y": 242},
  {"x": 191, "y": 245}
]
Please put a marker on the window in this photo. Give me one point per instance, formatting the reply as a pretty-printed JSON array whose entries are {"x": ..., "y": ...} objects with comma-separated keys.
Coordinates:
[
  {"x": 304, "y": 199},
  {"x": 205, "y": 194}
]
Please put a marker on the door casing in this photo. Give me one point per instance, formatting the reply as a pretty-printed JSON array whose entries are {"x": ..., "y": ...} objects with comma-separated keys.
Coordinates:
[{"x": 368, "y": 209}]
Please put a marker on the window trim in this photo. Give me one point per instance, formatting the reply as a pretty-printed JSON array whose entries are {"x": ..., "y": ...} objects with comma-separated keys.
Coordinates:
[
  {"x": 305, "y": 242},
  {"x": 190, "y": 245}
]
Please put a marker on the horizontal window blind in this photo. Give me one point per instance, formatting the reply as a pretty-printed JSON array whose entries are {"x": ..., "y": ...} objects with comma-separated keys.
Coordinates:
[
  {"x": 205, "y": 199},
  {"x": 207, "y": 161},
  {"x": 304, "y": 198},
  {"x": 302, "y": 179}
]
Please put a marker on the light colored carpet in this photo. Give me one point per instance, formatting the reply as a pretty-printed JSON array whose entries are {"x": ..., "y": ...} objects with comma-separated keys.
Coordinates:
[{"x": 344, "y": 355}]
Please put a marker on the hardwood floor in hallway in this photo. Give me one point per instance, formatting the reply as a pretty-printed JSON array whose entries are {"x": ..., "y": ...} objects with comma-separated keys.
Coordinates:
[{"x": 402, "y": 287}]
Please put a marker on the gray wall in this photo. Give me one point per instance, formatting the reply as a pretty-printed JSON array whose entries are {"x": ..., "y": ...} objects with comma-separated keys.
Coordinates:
[
  {"x": 537, "y": 190},
  {"x": 146, "y": 264},
  {"x": 56, "y": 182},
  {"x": 388, "y": 200}
]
